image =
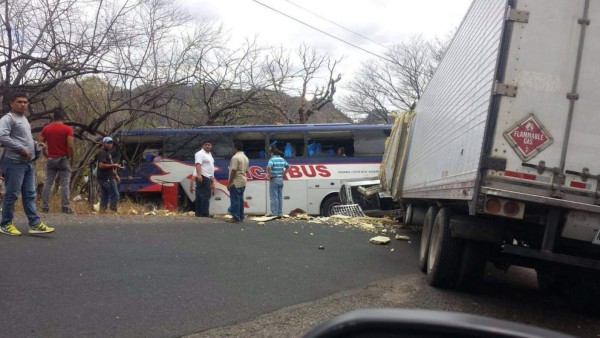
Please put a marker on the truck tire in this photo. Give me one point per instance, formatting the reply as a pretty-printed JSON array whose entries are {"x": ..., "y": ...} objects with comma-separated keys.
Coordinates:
[
  {"x": 472, "y": 265},
  {"x": 426, "y": 237},
  {"x": 328, "y": 203},
  {"x": 443, "y": 260}
]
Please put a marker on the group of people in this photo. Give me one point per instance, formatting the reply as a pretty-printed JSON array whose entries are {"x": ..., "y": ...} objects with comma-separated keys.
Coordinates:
[
  {"x": 56, "y": 142},
  {"x": 204, "y": 180},
  {"x": 203, "y": 184}
]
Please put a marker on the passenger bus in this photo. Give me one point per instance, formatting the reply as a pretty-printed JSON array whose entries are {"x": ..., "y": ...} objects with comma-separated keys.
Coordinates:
[{"x": 312, "y": 184}]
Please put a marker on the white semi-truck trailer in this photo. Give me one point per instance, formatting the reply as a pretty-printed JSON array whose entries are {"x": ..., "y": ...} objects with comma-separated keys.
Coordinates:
[{"x": 500, "y": 162}]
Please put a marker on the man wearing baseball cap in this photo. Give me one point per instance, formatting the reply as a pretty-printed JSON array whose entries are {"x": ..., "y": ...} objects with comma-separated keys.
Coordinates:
[{"x": 107, "y": 176}]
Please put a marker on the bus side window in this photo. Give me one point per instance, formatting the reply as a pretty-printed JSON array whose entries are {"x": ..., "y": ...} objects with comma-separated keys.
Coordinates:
[
  {"x": 291, "y": 144},
  {"x": 254, "y": 144},
  {"x": 369, "y": 142},
  {"x": 327, "y": 143}
]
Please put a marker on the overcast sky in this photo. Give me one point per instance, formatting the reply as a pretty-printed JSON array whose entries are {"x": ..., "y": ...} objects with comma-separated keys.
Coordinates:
[{"x": 383, "y": 21}]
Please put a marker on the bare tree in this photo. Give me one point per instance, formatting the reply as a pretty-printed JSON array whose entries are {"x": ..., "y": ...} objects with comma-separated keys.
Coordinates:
[
  {"x": 396, "y": 82},
  {"x": 227, "y": 82},
  {"x": 311, "y": 77},
  {"x": 110, "y": 64}
]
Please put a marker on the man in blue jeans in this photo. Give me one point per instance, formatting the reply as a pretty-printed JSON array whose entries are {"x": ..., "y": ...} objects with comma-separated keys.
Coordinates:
[
  {"x": 238, "y": 167},
  {"x": 107, "y": 176},
  {"x": 18, "y": 169},
  {"x": 205, "y": 180},
  {"x": 276, "y": 169}
]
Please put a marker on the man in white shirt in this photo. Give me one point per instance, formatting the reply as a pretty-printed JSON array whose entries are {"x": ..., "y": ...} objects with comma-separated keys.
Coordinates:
[{"x": 205, "y": 182}]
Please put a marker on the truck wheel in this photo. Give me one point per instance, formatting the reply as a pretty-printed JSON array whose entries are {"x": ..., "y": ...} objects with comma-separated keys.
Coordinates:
[
  {"x": 443, "y": 260},
  {"x": 426, "y": 237},
  {"x": 472, "y": 265},
  {"x": 328, "y": 204}
]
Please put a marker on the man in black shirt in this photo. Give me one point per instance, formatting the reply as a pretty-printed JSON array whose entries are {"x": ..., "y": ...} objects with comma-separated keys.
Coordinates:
[{"x": 107, "y": 176}]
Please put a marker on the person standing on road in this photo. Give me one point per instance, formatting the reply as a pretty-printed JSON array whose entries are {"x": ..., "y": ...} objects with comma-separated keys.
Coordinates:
[
  {"x": 236, "y": 184},
  {"x": 60, "y": 152},
  {"x": 205, "y": 182},
  {"x": 18, "y": 169},
  {"x": 276, "y": 170},
  {"x": 107, "y": 176}
]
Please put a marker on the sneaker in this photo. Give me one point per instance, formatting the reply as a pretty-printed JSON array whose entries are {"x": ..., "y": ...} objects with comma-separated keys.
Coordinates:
[
  {"x": 233, "y": 220},
  {"x": 41, "y": 228},
  {"x": 66, "y": 211},
  {"x": 9, "y": 229}
]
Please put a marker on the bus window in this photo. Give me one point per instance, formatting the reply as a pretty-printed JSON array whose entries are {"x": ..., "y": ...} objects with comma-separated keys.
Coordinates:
[
  {"x": 327, "y": 143},
  {"x": 291, "y": 144},
  {"x": 183, "y": 146},
  {"x": 222, "y": 145},
  {"x": 254, "y": 144},
  {"x": 369, "y": 142}
]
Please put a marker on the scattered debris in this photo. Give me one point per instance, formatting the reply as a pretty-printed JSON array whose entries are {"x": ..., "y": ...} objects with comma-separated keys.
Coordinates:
[
  {"x": 302, "y": 216},
  {"x": 342, "y": 217},
  {"x": 296, "y": 211},
  {"x": 190, "y": 213},
  {"x": 262, "y": 218},
  {"x": 321, "y": 247},
  {"x": 261, "y": 223},
  {"x": 392, "y": 250},
  {"x": 380, "y": 240},
  {"x": 150, "y": 207},
  {"x": 132, "y": 212},
  {"x": 402, "y": 238}
]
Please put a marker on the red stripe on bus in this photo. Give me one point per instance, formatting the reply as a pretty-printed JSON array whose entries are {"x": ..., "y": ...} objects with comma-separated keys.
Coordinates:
[
  {"x": 524, "y": 176},
  {"x": 580, "y": 185}
]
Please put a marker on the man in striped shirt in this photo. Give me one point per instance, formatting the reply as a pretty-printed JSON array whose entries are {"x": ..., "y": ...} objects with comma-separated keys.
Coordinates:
[{"x": 276, "y": 170}]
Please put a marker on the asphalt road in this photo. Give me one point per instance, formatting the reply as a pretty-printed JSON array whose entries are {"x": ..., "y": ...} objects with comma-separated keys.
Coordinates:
[
  {"x": 133, "y": 276},
  {"x": 127, "y": 276}
]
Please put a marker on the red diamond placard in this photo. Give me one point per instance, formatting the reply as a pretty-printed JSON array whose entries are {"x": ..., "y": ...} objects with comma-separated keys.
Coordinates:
[{"x": 528, "y": 137}]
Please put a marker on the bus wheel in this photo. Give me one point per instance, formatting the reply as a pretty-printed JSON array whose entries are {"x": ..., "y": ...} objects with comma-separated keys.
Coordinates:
[
  {"x": 426, "y": 237},
  {"x": 329, "y": 202},
  {"x": 443, "y": 260}
]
